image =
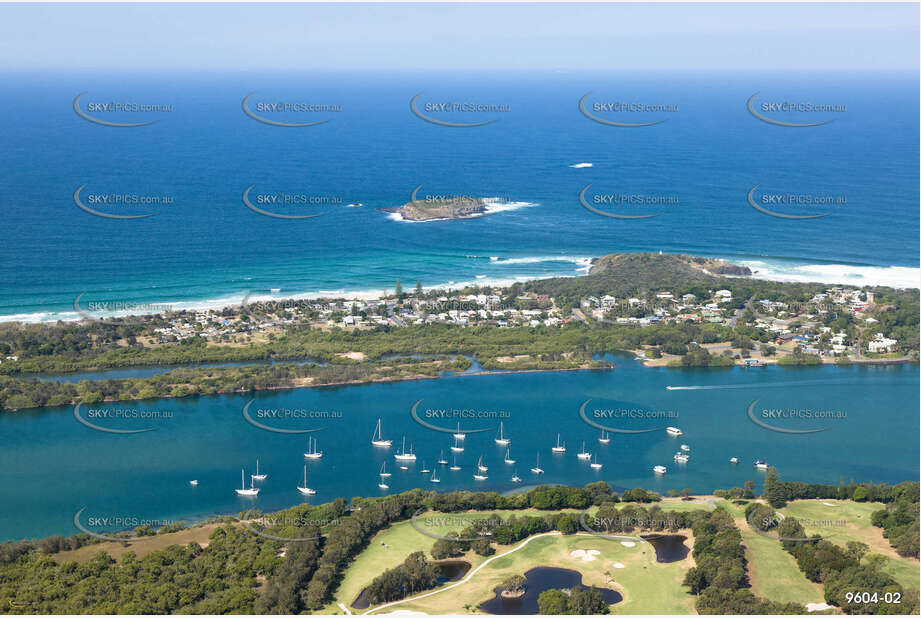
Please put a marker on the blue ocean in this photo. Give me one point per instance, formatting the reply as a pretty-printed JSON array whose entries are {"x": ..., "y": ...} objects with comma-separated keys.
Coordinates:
[{"x": 204, "y": 247}]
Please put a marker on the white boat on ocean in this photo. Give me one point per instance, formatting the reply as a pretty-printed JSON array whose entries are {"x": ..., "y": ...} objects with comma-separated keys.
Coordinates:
[
  {"x": 377, "y": 439},
  {"x": 583, "y": 454},
  {"x": 605, "y": 437},
  {"x": 761, "y": 465},
  {"x": 303, "y": 488},
  {"x": 659, "y": 469},
  {"x": 459, "y": 435},
  {"x": 383, "y": 471},
  {"x": 560, "y": 446},
  {"x": 441, "y": 459},
  {"x": 537, "y": 469},
  {"x": 595, "y": 464},
  {"x": 508, "y": 457},
  {"x": 243, "y": 491},
  {"x": 674, "y": 431},
  {"x": 457, "y": 448},
  {"x": 682, "y": 457},
  {"x": 312, "y": 452},
  {"x": 403, "y": 455},
  {"x": 515, "y": 477},
  {"x": 257, "y": 476},
  {"x": 480, "y": 466},
  {"x": 501, "y": 440},
  {"x": 454, "y": 467},
  {"x": 733, "y": 460}
]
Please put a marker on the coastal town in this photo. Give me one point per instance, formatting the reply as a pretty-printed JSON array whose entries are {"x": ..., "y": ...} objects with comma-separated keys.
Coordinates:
[{"x": 835, "y": 324}]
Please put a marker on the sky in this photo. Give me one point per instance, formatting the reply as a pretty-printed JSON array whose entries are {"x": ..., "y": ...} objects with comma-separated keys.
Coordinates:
[{"x": 870, "y": 37}]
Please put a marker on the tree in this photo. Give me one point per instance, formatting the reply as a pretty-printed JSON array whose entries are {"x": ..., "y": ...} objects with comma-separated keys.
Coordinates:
[
  {"x": 774, "y": 491},
  {"x": 749, "y": 492},
  {"x": 418, "y": 288},
  {"x": 515, "y": 583},
  {"x": 398, "y": 289},
  {"x": 553, "y": 601}
]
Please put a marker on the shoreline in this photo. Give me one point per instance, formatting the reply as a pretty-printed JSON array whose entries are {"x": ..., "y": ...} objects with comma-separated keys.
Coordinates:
[
  {"x": 485, "y": 372},
  {"x": 825, "y": 274}
]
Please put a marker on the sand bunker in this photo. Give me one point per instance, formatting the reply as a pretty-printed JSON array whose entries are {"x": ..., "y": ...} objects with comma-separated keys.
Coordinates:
[
  {"x": 829, "y": 504},
  {"x": 628, "y": 543},
  {"x": 817, "y": 607},
  {"x": 585, "y": 555},
  {"x": 617, "y": 565}
]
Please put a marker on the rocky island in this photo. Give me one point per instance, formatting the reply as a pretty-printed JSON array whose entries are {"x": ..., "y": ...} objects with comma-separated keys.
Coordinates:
[{"x": 447, "y": 208}]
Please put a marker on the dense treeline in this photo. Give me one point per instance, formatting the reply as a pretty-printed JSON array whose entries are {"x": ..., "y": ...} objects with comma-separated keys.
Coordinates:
[
  {"x": 18, "y": 393},
  {"x": 841, "y": 570},
  {"x": 218, "y": 579},
  {"x": 719, "y": 577},
  {"x": 486, "y": 343},
  {"x": 778, "y": 492},
  {"x": 900, "y": 523}
]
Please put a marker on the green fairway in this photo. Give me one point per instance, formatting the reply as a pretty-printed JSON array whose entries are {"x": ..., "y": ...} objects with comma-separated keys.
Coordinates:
[
  {"x": 843, "y": 520},
  {"x": 648, "y": 587}
]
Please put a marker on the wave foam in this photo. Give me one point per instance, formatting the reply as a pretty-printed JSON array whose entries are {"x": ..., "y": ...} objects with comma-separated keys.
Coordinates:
[{"x": 841, "y": 274}]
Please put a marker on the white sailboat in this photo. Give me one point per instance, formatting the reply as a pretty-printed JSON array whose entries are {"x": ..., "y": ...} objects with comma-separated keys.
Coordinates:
[
  {"x": 583, "y": 454},
  {"x": 515, "y": 477},
  {"x": 501, "y": 440},
  {"x": 537, "y": 469},
  {"x": 480, "y": 476},
  {"x": 403, "y": 455},
  {"x": 382, "y": 484},
  {"x": 508, "y": 457},
  {"x": 595, "y": 464},
  {"x": 303, "y": 488},
  {"x": 435, "y": 478},
  {"x": 459, "y": 435},
  {"x": 378, "y": 438},
  {"x": 605, "y": 437},
  {"x": 424, "y": 470},
  {"x": 560, "y": 446},
  {"x": 441, "y": 458},
  {"x": 257, "y": 476},
  {"x": 383, "y": 471},
  {"x": 457, "y": 448},
  {"x": 455, "y": 467},
  {"x": 480, "y": 466},
  {"x": 243, "y": 491},
  {"x": 312, "y": 452}
]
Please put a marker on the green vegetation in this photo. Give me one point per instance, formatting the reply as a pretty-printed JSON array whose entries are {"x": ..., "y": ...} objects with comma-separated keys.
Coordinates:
[
  {"x": 580, "y": 601},
  {"x": 720, "y": 577}
]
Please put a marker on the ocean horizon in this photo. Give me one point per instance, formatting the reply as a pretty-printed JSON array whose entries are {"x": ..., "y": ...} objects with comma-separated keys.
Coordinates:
[{"x": 204, "y": 248}]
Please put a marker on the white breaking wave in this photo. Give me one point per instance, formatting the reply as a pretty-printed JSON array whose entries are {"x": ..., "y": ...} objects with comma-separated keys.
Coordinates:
[
  {"x": 841, "y": 274},
  {"x": 581, "y": 165},
  {"x": 584, "y": 263}
]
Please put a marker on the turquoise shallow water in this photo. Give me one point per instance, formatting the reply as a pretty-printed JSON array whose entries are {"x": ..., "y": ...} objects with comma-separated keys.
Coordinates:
[{"x": 51, "y": 466}]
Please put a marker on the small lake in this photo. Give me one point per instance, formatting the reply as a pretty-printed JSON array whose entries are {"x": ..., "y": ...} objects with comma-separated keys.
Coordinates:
[
  {"x": 451, "y": 571},
  {"x": 540, "y": 579},
  {"x": 669, "y": 547}
]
